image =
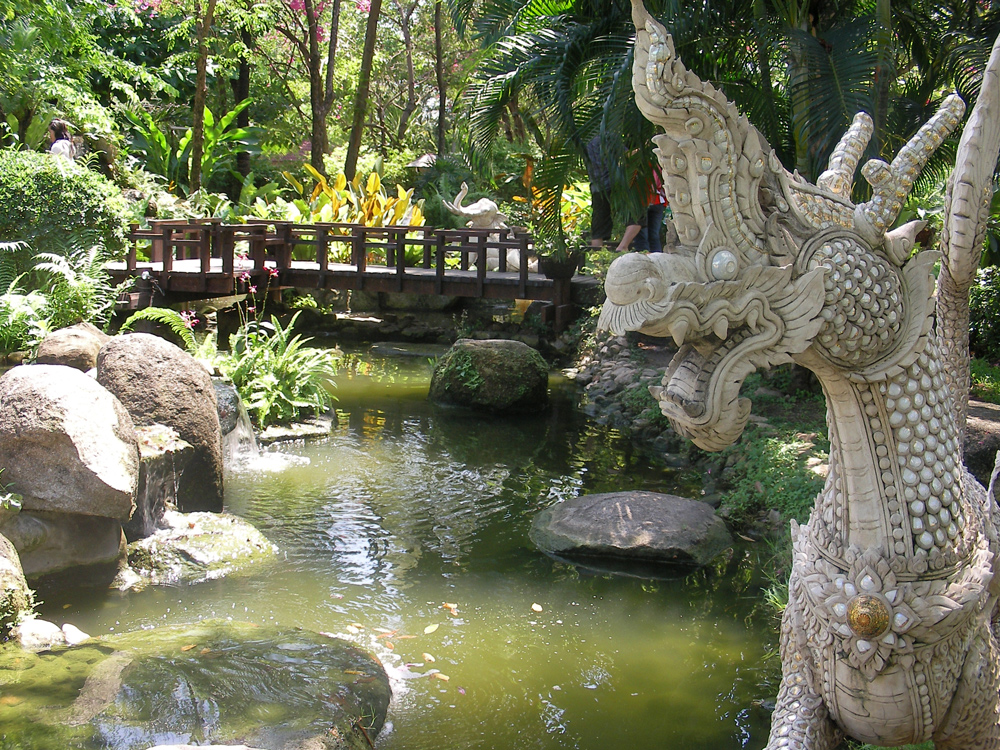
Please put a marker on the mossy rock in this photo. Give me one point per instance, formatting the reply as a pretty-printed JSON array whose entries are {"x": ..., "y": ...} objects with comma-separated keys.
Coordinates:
[
  {"x": 16, "y": 598},
  {"x": 221, "y": 682},
  {"x": 195, "y": 547},
  {"x": 494, "y": 375}
]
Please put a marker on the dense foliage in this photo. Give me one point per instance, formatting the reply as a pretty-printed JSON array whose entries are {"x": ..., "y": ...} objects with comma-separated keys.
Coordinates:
[
  {"x": 52, "y": 204},
  {"x": 984, "y": 312}
]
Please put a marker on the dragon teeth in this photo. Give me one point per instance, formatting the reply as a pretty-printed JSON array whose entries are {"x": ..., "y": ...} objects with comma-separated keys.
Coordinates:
[
  {"x": 752, "y": 319},
  {"x": 721, "y": 328},
  {"x": 679, "y": 330}
]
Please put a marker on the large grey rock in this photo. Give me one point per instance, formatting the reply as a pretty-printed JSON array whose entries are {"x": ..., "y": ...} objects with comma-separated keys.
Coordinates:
[
  {"x": 195, "y": 547},
  {"x": 228, "y": 405},
  {"x": 51, "y": 543},
  {"x": 75, "y": 346},
  {"x": 160, "y": 383},
  {"x": 213, "y": 682},
  {"x": 638, "y": 525},
  {"x": 66, "y": 444},
  {"x": 15, "y": 596},
  {"x": 495, "y": 375}
]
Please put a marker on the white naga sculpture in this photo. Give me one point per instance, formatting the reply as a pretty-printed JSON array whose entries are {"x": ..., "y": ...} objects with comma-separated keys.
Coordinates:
[{"x": 890, "y": 631}]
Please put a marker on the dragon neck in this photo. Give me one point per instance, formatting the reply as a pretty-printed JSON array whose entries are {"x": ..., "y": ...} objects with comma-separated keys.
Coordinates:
[{"x": 895, "y": 481}]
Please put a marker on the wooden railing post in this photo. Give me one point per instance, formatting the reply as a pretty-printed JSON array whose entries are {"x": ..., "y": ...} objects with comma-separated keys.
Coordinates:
[
  {"x": 522, "y": 274},
  {"x": 439, "y": 261},
  {"x": 358, "y": 252},
  {"x": 132, "y": 248}
]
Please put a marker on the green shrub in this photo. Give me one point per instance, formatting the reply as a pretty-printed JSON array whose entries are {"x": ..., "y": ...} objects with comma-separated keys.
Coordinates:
[
  {"x": 278, "y": 377},
  {"x": 49, "y": 203},
  {"x": 985, "y": 381},
  {"x": 984, "y": 311}
]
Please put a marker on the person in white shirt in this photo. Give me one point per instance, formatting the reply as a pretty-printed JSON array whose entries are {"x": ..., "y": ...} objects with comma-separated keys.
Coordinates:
[{"x": 62, "y": 144}]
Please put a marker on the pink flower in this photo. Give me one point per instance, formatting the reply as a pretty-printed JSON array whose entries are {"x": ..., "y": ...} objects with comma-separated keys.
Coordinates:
[
  {"x": 245, "y": 276},
  {"x": 253, "y": 289},
  {"x": 273, "y": 272},
  {"x": 190, "y": 318},
  {"x": 251, "y": 308},
  {"x": 363, "y": 5}
]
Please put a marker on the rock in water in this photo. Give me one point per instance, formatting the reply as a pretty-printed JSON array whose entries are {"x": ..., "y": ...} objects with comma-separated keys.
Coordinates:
[
  {"x": 641, "y": 526},
  {"x": 15, "y": 596},
  {"x": 216, "y": 682},
  {"x": 494, "y": 375},
  {"x": 160, "y": 383},
  {"x": 67, "y": 445}
]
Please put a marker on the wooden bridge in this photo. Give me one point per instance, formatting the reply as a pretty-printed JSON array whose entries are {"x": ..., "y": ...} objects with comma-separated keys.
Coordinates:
[{"x": 200, "y": 259}]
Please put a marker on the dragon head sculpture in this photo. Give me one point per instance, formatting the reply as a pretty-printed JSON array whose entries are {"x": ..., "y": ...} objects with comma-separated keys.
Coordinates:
[{"x": 770, "y": 268}]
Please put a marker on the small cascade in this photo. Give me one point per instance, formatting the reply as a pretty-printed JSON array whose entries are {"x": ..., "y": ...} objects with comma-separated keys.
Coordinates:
[{"x": 239, "y": 445}]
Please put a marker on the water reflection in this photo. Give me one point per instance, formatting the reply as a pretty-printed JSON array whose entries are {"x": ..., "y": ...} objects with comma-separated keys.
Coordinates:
[{"x": 406, "y": 507}]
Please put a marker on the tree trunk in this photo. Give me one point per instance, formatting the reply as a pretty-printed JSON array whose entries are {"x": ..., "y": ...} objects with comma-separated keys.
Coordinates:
[
  {"x": 319, "y": 145},
  {"x": 361, "y": 96},
  {"x": 204, "y": 23},
  {"x": 439, "y": 74},
  {"x": 241, "y": 90},
  {"x": 410, "y": 105},
  {"x": 883, "y": 72}
]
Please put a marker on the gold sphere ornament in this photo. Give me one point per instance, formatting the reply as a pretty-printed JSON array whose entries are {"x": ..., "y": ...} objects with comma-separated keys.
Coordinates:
[{"x": 868, "y": 616}]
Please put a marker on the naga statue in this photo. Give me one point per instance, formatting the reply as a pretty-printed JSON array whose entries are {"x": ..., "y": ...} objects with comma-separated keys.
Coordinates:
[{"x": 890, "y": 633}]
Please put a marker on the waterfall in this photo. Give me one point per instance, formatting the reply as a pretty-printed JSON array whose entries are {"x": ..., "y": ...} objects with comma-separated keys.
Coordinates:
[{"x": 239, "y": 445}]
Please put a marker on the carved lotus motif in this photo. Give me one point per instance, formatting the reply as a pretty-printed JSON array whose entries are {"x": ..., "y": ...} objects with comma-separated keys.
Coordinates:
[{"x": 869, "y": 614}]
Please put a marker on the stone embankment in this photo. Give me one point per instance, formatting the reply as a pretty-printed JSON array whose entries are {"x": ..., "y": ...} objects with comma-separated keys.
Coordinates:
[{"x": 616, "y": 375}]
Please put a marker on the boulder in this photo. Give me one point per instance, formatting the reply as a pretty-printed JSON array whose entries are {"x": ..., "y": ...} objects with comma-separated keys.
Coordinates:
[
  {"x": 214, "y": 682},
  {"x": 15, "y": 596},
  {"x": 76, "y": 346},
  {"x": 160, "y": 383},
  {"x": 51, "y": 543},
  {"x": 66, "y": 444},
  {"x": 34, "y": 634},
  {"x": 195, "y": 547},
  {"x": 228, "y": 405},
  {"x": 163, "y": 457},
  {"x": 638, "y": 525},
  {"x": 495, "y": 375}
]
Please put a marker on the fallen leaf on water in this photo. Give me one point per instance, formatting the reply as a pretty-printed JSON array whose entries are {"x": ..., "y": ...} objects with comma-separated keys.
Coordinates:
[
  {"x": 745, "y": 538},
  {"x": 388, "y": 645},
  {"x": 439, "y": 676},
  {"x": 352, "y": 630},
  {"x": 427, "y": 657},
  {"x": 536, "y": 607},
  {"x": 189, "y": 647},
  {"x": 430, "y": 629},
  {"x": 449, "y": 605},
  {"x": 387, "y": 633},
  {"x": 357, "y": 625},
  {"x": 461, "y": 691},
  {"x": 204, "y": 651},
  {"x": 384, "y": 630},
  {"x": 353, "y": 671},
  {"x": 67, "y": 606},
  {"x": 405, "y": 637}
]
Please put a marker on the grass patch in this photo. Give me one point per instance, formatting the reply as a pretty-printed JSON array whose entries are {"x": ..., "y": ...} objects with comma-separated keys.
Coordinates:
[{"x": 985, "y": 381}]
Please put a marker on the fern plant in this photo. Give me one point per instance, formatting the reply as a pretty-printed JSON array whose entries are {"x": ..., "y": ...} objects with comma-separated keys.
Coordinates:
[
  {"x": 177, "y": 323},
  {"x": 23, "y": 320},
  {"x": 77, "y": 287},
  {"x": 279, "y": 378}
]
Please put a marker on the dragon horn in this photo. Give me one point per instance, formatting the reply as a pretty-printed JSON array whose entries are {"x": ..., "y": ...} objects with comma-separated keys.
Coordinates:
[
  {"x": 839, "y": 175},
  {"x": 892, "y": 183}
]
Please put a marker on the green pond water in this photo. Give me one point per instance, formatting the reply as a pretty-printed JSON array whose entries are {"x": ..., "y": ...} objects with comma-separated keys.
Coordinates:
[{"x": 406, "y": 507}]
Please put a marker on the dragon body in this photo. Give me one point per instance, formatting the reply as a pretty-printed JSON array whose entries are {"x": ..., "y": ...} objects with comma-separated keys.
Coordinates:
[{"x": 890, "y": 632}]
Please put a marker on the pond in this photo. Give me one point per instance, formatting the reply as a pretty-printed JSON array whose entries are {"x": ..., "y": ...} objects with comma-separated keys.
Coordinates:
[{"x": 407, "y": 532}]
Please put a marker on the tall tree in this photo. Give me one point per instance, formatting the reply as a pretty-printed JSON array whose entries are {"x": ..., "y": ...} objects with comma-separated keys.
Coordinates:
[
  {"x": 204, "y": 24},
  {"x": 300, "y": 23},
  {"x": 442, "y": 123},
  {"x": 361, "y": 93}
]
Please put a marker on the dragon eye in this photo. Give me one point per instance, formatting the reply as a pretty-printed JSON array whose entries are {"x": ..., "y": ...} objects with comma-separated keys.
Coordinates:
[{"x": 724, "y": 265}]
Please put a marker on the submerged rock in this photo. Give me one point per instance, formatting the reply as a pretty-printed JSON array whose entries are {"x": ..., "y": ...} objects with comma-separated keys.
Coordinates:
[
  {"x": 638, "y": 525},
  {"x": 496, "y": 375},
  {"x": 214, "y": 682},
  {"x": 195, "y": 547}
]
